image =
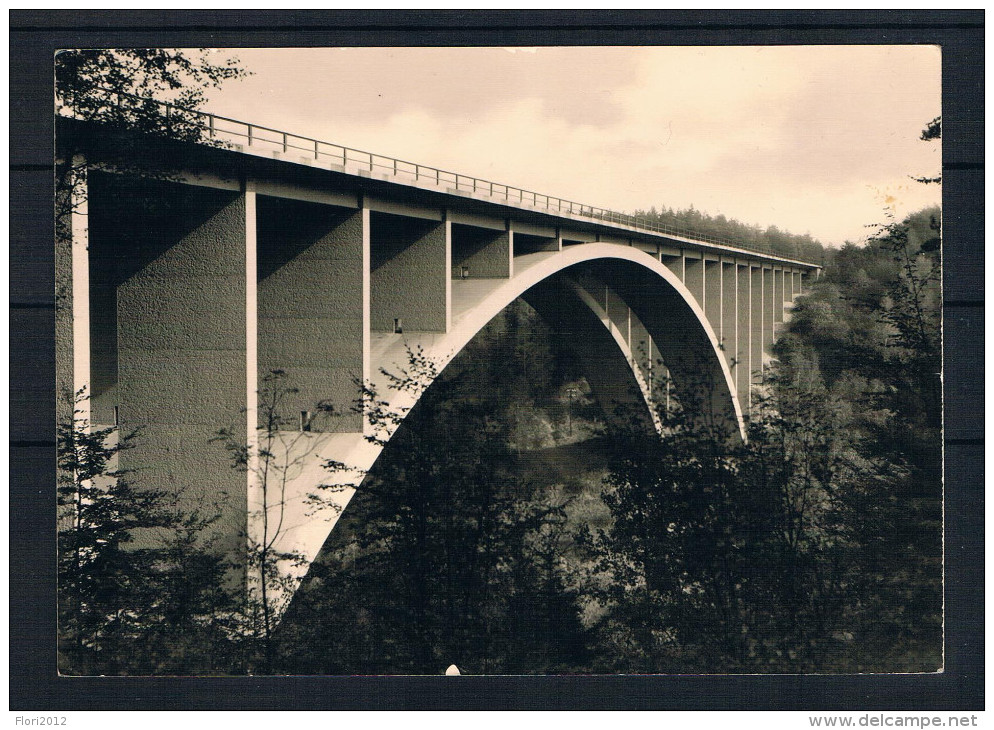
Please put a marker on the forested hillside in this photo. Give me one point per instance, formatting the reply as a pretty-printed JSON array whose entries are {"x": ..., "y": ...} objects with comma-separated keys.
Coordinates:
[
  {"x": 771, "y": 239},
  {"x": 816, "y": 547}
]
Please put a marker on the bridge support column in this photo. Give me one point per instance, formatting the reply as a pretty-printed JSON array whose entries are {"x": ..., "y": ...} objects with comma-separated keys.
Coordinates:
[
  {"x": 778, "y": 296},
  {"x": 311, "y": 309},
  {"x": 756, "y": 324},
  {"x": 410, "y": 273},
  {"x": 694, "y": 277},
  {"x": 712, "y": 295},
  {"x": 253, "y": 492},
  {"x": 787, "y": 294},
  {"x": 770, "y": 308},
  {"x": 168, "y": 269},
  {"x": 73, "y": 279},
  {"x": 729, "y": 315},
  {"x": 743, "y": 368}
]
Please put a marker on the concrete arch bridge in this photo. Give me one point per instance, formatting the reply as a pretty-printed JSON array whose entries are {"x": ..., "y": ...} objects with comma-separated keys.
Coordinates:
[{"x": 196, "y": 269}]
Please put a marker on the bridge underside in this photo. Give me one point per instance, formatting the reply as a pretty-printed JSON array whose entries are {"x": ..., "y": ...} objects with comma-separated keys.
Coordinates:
[{"x": 189, "y": 288}]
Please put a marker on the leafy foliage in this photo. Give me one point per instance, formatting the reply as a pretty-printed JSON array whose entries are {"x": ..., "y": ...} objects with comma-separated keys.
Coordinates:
[
  {"x": 769, "y": 240},
  {"x": 933, "y": 130},
  {"x": 142, "y": 589},
  {"x": 146, "y": 89},
  {"x": 132, "y": 569},
  {"x": 271, "y": 457},
  {"x": 153, "y": 91},
  {"x": 816, "y": 546}
]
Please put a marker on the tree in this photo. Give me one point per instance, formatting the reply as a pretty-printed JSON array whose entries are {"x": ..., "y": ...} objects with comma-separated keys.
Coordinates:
[
  {"x": 932, "y": 131},
  {"x": 145, "y": 89},
  {"x": 131, "y": 570},
  {"x": 802, "y": 453},
  {"x": 771, "y": 240},
  {"x": 816, "y": 546},
  {"x": 741, "y": 557},
  {"x": 134, "y": 569},
  {"x": 271, "y": 458},
  {"x": 872, "y": 325},
  {"x": 684, "y": 552},
  {"x": 153, "y": 91},
  {"x": 907, "y": 432}
]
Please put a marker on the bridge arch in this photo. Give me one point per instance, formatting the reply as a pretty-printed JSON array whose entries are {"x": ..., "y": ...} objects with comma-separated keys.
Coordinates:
[
  {"x": 657, "y": 298},
  {"x": 562, "y": 287}
]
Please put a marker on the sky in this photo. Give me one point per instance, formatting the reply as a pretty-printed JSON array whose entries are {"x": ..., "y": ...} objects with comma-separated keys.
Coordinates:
[{"x": 812, "y": 139}]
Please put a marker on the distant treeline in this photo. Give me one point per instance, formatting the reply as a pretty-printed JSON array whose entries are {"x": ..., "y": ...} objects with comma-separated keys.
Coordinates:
[{"x": 771, "y": 240}]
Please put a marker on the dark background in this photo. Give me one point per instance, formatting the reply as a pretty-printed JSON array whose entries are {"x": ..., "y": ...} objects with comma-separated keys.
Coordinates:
[{"x": 36, "y": 35}]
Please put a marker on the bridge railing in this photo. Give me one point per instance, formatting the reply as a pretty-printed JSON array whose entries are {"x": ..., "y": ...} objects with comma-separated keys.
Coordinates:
[{"x": 105, "y": 105}]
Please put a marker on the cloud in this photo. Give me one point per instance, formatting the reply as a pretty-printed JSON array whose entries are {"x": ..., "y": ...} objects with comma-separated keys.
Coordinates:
[{"x": 809, "y": 138}]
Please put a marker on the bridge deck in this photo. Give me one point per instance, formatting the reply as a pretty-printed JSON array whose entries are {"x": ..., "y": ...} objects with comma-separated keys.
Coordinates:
[{"x": 260, "y": 141}]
